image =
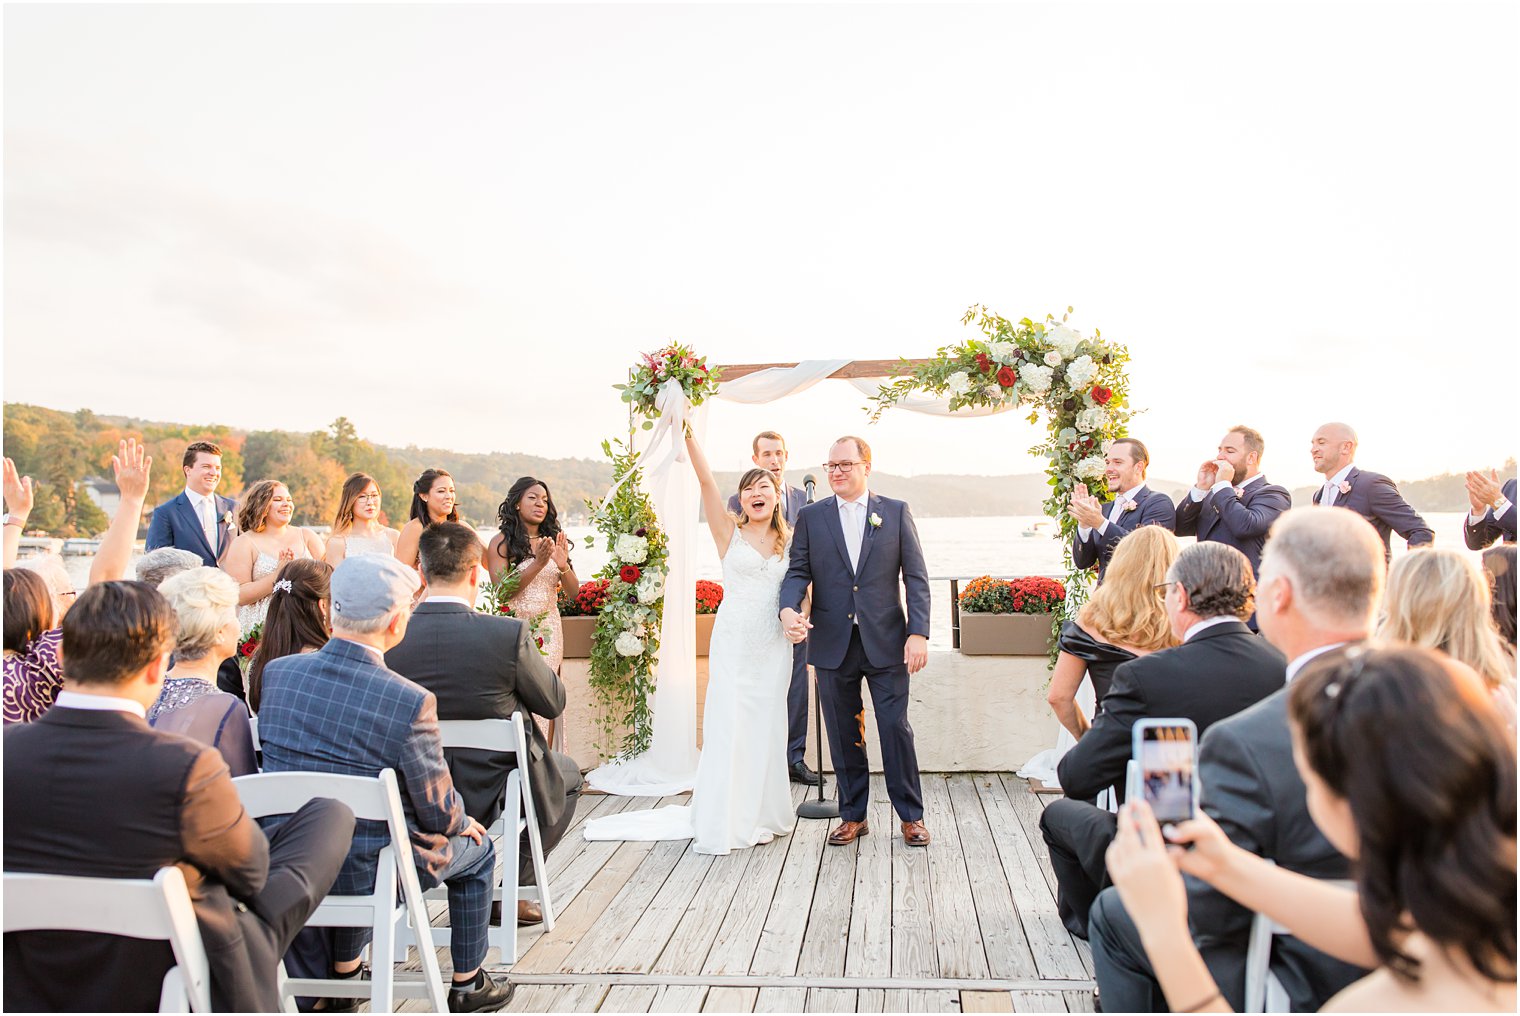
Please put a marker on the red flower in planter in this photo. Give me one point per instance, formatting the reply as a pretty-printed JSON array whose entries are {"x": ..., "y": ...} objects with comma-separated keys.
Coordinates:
[
  {"x": 629, "y": 573},
  {"x": 709, "y": 596}
]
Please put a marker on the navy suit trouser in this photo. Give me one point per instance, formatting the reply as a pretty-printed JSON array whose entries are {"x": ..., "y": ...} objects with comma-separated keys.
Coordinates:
[
  {"x": 797, "y": 707},
  {"x": 844, "y": 716}
]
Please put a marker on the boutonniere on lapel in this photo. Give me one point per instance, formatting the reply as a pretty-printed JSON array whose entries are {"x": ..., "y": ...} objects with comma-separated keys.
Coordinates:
[
  {"x": 875, "y": 521},
  {"x": 1345, "y": 486},
  {"x": 1130, "y": 506},
  {"x": 229, "y": 522}
]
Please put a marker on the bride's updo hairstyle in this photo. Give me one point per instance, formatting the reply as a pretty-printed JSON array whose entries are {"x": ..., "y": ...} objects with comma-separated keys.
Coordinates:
[
  {"x": 778, "y": 525},
  {"x": 1412, "y": 742}
]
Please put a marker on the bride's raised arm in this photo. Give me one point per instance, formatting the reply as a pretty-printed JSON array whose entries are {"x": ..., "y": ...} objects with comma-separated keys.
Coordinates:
[{"x": 713, "y": 504}]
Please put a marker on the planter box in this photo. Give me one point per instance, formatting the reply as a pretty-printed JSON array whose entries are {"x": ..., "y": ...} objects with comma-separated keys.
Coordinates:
[
  {"x": 579, "y": 630},
  {"x": 1005, "y": 634}
]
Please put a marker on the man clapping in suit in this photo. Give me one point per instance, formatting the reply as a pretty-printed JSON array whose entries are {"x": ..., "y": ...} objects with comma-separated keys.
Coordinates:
[
  {"x": 1232, "y": 502},
  {"x": 482, "y": 667},
  {"x": 1371, "y": 495},
  {"x": 1493, "y": 510},
  {"x": 1099, "y": 530}
]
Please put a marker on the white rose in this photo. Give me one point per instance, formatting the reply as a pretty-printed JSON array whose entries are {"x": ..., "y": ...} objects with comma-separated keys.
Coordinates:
[
  {"x": 631, "y": 549},
  {"x": 1064, "y": 339},
  {"x": 993, "y": 391},
  {"x": 1052, "y": 359},
  {"x": 959, "y": 383},
  {"x": 1080, "y": 371},
  {"x": 1066, "y": 437},
  {"x": 1090, "y": 468},
  {"x": 1036, "y": 379},
  {"x": 1089, "y": 420},
  {"x": 1002, "y": 352},
  {"x": 629, "y": 644},
  {"x": 650, "y": 588}
]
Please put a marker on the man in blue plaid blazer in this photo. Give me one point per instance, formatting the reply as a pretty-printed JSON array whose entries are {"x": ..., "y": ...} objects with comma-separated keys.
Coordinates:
[{"x": 341, "y": 710}]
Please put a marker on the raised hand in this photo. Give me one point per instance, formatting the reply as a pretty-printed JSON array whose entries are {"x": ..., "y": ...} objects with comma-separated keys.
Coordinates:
[
  {"x": 560, "y": 553},
  {"x": 1207, "y": 474},
  {"x": 1223, "y": 471},
  {"x": 1485, "y": 489},
  {"x": 131, "y": 463},
  {"x": 543, "y": 547},
  {"x": 1087, "y": 511},
  {"x": 19, "y": 495},
  {"x": 286, "y": 555},
  {"x": 1079, "y": 491}
]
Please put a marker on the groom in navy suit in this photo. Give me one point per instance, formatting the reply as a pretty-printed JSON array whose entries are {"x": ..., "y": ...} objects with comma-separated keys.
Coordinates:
[
  {"x": 768, "y": 451},
  {"x": 1100, "y": 527},
  {"x": 860, "y": 550},
  {"x": 1232, "y": 502},
  {"x": 1371, "y": 495},
  {"x": 199, "y": 520}
]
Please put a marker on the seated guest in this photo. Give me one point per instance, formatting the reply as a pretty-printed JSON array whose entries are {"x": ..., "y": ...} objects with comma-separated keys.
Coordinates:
[
  {"x": 91, "y": 790},
  {"x": 1321, "y": 582},
  {"x": 483, "y": 667},
  {"x": 297, "y": 621},
  {"x": 1232, "y": 502},
  {"x": 1371, "y": 495},
  {"x": 1219, "y": 669},
  {"x": 1440, "y": 599},
  {"x": 157, "y": 565},
  {"x": 1100, "y": 527},
  {"x": 1499, "y": 566},
  {"x": 35, "y": 609},
  {"x": 1124, "y": 618},
  {"x": 204, "y": 601},
  {"x": 1434, "y": 905},
  {"x": 1493, "y": 510},
  {"x": 341, "y": 710}
]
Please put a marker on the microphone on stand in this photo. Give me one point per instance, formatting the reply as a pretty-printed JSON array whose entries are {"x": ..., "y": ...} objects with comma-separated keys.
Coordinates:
[{"x": 819, "y": 807}]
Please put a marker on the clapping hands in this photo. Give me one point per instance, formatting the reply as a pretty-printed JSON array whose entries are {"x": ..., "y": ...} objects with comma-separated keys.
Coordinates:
[
  {"x": 543, "y": 549},
  {"x": 1482, "y": 491},
  {"x": 560, "y": 552},
  {"x": 1086, "y": 509}
]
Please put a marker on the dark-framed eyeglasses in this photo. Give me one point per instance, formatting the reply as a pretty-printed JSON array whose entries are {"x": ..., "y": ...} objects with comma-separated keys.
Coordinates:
[{"x": 841, "y": 467}]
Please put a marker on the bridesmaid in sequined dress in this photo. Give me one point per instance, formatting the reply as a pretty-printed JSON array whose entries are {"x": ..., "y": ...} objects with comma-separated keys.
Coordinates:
[{"x": 531, "y": 540}]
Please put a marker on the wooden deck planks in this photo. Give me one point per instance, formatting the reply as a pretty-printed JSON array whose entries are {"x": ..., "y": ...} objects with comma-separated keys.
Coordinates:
[
  {"x": 781, "y": 1000},
  {"x": 629, "y": 998},
  {"x": 730, "y": 1000},
  {"x": 915, "y": 1000},
  {"x": 1007, "y": 947},
  {"x": 647, "y": 940},
  {"x": 680, "y": 998},
  {"x": 830, "y": 1000},
  {"x": 786, "y": 922},
  {"x": 579, "y": 918},
  {"x": 734, "y": 946},
  {"x": 869, "y": 949},
  {"x": 615, "y": 923},
  {"x": 913, "y": 950},
  {"x": 986, "y": 1001},
  {"x": 957, "y": 932},
  {"x": 693, "y": 937},
  {"x": 1038, "y": 1001}
]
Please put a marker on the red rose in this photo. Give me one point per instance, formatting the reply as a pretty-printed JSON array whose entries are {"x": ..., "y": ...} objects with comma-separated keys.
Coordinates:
[
  {"x": 984, "y": 364},
  {"x": 1006, "y": 377},
  {"x": 629, "y": 573},
  {"x": 1101, "y": 395},
  {"x": 540, "y": 640}
]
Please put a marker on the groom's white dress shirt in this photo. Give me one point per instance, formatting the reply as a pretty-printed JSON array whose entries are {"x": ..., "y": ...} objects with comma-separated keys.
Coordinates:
[
  {"x": 1114, "y": 511},
  {"x": 1332, "y": 486},
  {"x": 852, "y": 519},
  {"x": 205, "y": 511}
]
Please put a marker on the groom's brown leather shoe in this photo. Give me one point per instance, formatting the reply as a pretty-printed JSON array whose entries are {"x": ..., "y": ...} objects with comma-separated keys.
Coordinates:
[
  {"x": 848, "y": 832},
  {"x": 915, "y": 835}
]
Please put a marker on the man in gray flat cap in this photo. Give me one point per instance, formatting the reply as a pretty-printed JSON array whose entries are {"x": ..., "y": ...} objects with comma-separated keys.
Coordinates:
[{"x": 342, "y": 710}]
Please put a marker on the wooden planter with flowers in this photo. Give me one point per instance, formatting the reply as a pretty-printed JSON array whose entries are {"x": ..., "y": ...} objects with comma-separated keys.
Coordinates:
[
  {"x": 578, "y": 616},
  {"x": 1009, "y": 617}
]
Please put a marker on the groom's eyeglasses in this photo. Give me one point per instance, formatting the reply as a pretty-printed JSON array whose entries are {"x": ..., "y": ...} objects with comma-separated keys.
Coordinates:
[{"x": 840, "y": 467}]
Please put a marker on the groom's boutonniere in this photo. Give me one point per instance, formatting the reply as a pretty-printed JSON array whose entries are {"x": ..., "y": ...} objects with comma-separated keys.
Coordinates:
[
  {"x": 1345, "y": 487},
  {"x": 227, "y": 520},
  {"x": 875, "y": 521},
  {"x": 1130, "y": 506}
]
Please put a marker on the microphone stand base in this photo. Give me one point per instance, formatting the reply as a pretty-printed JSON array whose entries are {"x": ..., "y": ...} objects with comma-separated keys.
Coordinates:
[{"x": 818, "y": 809}]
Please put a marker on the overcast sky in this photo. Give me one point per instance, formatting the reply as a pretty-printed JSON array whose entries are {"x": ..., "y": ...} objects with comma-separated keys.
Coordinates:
[{"x": 458, "y": 225}]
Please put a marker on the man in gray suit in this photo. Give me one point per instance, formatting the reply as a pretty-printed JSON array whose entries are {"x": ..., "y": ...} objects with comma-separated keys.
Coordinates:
[
  {"x": 1321, "y": 582},
  {"x": 483, "y": 668}
]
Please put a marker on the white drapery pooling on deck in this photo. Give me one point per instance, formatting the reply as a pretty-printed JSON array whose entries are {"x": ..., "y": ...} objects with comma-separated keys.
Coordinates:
[{"x": 669, "y": 766}]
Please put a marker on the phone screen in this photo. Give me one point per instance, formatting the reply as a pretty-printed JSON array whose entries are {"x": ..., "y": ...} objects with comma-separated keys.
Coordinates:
[{"x": 1166, "y": 772}]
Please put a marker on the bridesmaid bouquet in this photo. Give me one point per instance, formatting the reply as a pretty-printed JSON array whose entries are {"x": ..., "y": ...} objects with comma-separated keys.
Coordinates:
[
  {"x": 249, "y": 645},
  {"x": 495, "y": 598},
  {"x": 674, "y": 362}
]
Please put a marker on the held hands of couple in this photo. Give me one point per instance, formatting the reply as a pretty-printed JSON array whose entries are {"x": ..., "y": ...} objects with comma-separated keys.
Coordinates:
[{"x": 794, "y": 625}]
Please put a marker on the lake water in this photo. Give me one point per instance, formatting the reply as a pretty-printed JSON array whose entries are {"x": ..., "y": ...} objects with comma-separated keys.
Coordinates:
[{"x": 953, "y": 548}]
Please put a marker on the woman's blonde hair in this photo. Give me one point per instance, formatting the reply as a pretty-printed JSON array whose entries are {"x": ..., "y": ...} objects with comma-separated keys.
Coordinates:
[
  {"x": 1128, "y": 609},
  {"x": 204, "y": 600},
  {"x": 1441, "y": 600},
  {"x": 779, "y": 529}
]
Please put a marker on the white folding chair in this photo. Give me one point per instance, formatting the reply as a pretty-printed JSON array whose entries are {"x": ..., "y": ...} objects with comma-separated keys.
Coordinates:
[
  {"x": 1264, "y": 992},
  {"x": 375, "y": 798},
  {"x": 253, "y": 728},
  {"x": 517, "y": 814},
  {"x": 157, "y": 909}
]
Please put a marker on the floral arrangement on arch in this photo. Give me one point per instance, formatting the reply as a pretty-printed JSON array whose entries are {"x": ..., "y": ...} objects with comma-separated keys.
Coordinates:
[
  {"x": 1032, "y": 594},
  {"x": 627, "y": 639},
  {"x": 495, "y": 598},
  {"x": 649, "y": 375},
  {"x": 1078, "y": 382}
]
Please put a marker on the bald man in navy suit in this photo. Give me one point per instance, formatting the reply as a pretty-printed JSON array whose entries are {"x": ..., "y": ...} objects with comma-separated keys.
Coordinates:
[{"x": 1371, "y": 495}]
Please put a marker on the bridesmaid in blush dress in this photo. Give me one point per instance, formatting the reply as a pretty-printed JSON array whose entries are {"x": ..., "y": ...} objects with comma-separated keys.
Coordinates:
[{"x": 532, "y": 541}]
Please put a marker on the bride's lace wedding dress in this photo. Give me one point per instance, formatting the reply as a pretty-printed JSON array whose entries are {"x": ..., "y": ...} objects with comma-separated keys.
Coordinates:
[{"x": 741, "y": 796}]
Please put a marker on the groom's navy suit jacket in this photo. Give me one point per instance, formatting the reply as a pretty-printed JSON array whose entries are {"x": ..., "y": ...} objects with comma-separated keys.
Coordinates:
[
  {"x": 174, "y": 525},
  {"x": 1374, "y": 497},
  {"x": 1152, "y": 508},
  {"x": 1489, "y": 528},
  {"x": 1236, "y": 520},
  {"x": 869, "y": 593}
]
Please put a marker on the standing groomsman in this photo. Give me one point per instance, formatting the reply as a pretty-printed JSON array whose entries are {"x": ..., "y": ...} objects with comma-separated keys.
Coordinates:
[
  {"x": 1493, "y": 510},
  {"x": 1371, "y": 495},
  {"x": 199, "y": 520},
  {"x": 1098, "y": 530},
  {"x": 1232, "y": 502},
  {"x": 768, "y": 451}
]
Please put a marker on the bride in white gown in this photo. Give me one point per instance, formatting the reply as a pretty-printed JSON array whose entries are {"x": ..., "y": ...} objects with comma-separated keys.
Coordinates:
[{"x": 741, "y": 796}]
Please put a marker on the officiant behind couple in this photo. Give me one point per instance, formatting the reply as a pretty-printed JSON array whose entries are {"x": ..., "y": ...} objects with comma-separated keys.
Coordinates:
[{"x": 740, "y": 796}]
